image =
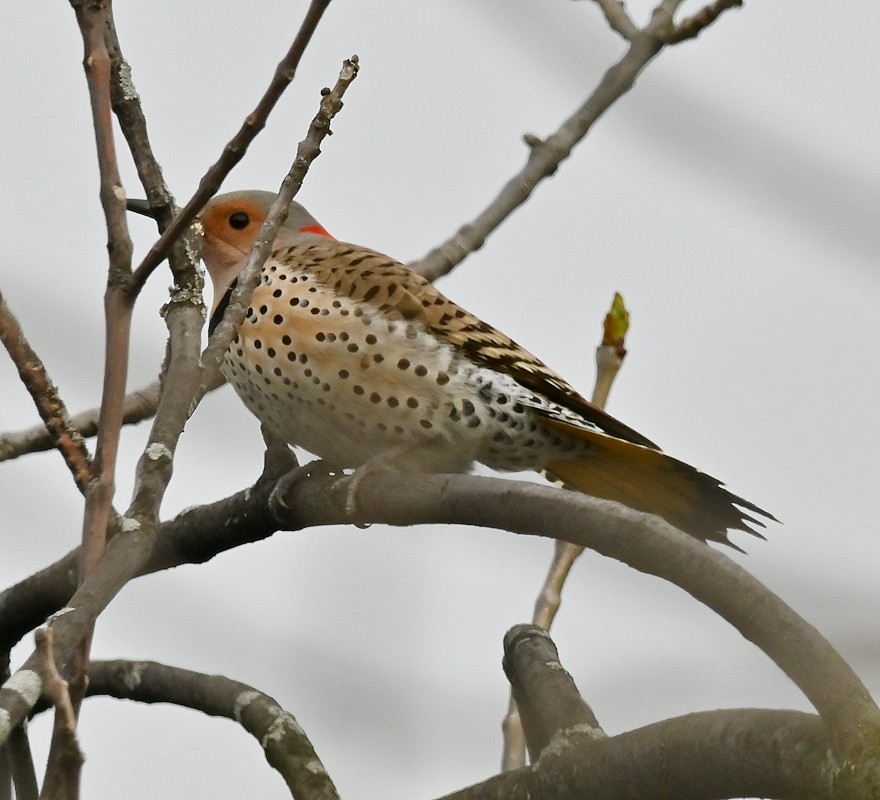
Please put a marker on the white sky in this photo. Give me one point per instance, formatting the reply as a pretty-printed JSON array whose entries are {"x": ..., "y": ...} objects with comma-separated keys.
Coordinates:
[{"x": 732, "y": 198}]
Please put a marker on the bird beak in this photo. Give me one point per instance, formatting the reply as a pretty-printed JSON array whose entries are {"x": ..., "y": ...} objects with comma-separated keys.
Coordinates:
[{"x": 139, "y": 207}]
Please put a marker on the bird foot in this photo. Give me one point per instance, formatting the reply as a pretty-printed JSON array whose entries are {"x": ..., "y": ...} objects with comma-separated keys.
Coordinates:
[
  {"x": 286, "y": 484},
  {"x": 350, "y": 485}
]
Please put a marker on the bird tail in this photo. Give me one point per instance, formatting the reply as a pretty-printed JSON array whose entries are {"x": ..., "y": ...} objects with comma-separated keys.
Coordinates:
[{"x": 650, "y": 481}]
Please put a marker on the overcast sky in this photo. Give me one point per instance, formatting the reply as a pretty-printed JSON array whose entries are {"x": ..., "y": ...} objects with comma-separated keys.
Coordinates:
[{"x": 732, "y": 197}]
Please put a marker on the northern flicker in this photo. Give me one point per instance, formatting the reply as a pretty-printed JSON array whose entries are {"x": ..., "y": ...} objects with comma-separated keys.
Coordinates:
[{"x": 361, "y": 361}]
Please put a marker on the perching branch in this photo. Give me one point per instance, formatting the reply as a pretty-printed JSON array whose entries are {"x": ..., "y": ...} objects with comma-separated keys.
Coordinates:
[
  {"x": 643, "y": 541},
  {"x": 285, "y": 744}
]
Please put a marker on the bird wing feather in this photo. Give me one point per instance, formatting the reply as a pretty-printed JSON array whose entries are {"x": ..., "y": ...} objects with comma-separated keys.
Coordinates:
[{"x": 363, "y": 274}]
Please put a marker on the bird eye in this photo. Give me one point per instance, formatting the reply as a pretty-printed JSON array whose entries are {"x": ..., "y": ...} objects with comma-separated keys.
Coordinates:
[{"x": 239, "y": 220}]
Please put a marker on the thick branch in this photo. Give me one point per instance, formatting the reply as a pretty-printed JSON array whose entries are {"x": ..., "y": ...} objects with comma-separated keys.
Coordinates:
[
  {"x": 284, "y": 742},
  {"x": 644, "y": 542},
  {"x": 545, "y": 694},
  {"x": 737, "y": 753}
]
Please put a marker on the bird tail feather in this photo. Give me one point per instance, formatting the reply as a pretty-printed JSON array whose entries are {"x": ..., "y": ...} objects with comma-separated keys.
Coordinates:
[{"x": 649, "y": 480}]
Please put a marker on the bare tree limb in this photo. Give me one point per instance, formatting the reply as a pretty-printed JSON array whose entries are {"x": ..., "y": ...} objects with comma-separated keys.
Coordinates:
[
  {"x": 736, "y": 753},
  {"x": 546, "y": 156},
  {"x": 644, "y": 542},
  {"x": 59, "y": 429},
  {"x": 137, "y": 406},
  {"x": 21, "y": 763},
  {"x": 617, "y": 18},
  {"x": 546, "y": 696},
  {"x": 609, "y": 359},
  {"x": 235, "y": 148},
  {"x": 285, "y": 744},
  {"x": 92, "y": 18},
  {"x": 128, "y": 552},
  {"x": 65, "y": 757},
  {"x": 692, "y": 26},
  {"x": 307, "y": 151}
]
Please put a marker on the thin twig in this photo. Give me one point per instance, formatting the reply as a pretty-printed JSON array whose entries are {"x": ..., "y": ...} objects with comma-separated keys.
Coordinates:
[
  {"x": 307, "y": 151},
  {"x": 286, "y": 746},
  {"x": 137, "y": 406},
  {"x": 21, "y": 762},
  {"x": 59, "y": 428},
  {"x": 617, "y": 18},
  {"x": 128, "y": 552},
  {"x": 65, "y": 757},
  {"x": 546, "y": 155},
  {"x": 92, "y": 18},
  {"x": 690, "y": 27},
  {"x": 235, "y": 149},
  {"x": 609, "y": 359}
]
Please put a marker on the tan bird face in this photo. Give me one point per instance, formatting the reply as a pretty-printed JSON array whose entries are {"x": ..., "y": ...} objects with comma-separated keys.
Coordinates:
[{"x": 231, "y": 223}]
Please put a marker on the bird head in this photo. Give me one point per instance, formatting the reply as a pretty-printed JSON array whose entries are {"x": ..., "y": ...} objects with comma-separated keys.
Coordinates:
[{"x": 231, "y": 223}]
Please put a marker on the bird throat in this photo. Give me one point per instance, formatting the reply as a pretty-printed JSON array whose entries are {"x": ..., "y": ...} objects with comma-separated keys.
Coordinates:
[{"x": 217, "y": 316}]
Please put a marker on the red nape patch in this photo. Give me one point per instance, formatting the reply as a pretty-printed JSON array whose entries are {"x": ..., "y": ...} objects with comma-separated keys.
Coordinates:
[{"x": 315, "y": 229}]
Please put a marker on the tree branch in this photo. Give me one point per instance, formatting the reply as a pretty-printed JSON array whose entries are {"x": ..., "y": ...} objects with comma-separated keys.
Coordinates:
[
  {"x": 125, "y": 555},
  {"x": 644, "y": 542},
  {"x": 235, "y": 148},
  {"x": 59, "y": 429},
  {"x": 736, "y": 753},
  {"x": 285, "y": 744},
  {"x": 692, "y": 26},
  {"x": 546, "y": 156},
  {"x": 546, "y": 696},
  {"x": 617, "y": 18},
  {"x": 65, "y": 757}
]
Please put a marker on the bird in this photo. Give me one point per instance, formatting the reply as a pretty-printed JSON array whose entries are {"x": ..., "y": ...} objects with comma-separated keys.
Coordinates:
[{"x": 354, "y": 357}]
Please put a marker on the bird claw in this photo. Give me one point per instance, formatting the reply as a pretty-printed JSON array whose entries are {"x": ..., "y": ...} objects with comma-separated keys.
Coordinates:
[
  {"x": 287, "y": 483},
  {"x": 350, "y": 484}
]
